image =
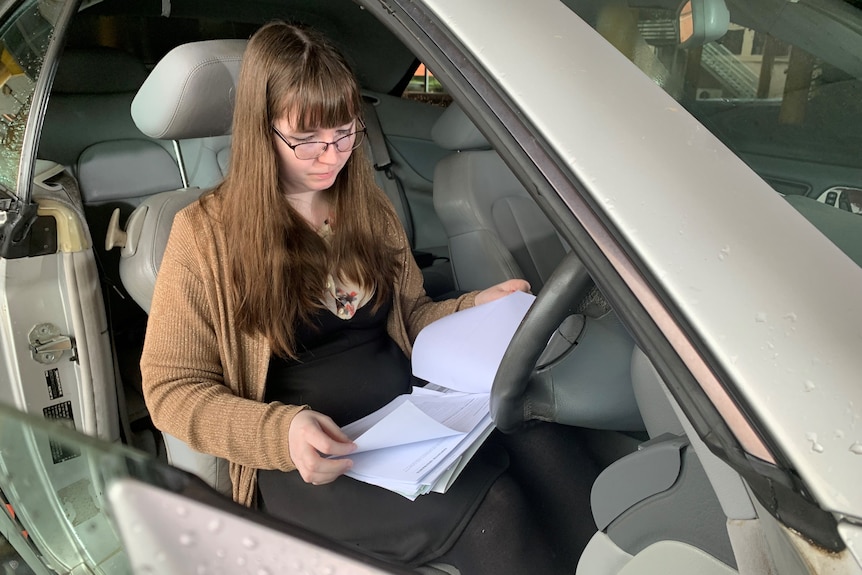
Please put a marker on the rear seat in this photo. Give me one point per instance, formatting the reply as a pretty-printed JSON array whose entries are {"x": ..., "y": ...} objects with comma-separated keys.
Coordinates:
[{"x": 89, "y": 129}]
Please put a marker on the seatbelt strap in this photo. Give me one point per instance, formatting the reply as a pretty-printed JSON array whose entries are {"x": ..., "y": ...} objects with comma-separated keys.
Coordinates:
[{"x": 383, "y": 166}]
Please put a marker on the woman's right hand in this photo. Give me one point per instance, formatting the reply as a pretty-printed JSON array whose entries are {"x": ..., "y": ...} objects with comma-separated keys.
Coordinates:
[{"x": 311, "y": 437}]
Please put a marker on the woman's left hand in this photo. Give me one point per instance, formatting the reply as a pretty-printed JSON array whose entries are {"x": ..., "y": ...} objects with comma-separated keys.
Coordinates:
[{"x": 502, "y": 289}]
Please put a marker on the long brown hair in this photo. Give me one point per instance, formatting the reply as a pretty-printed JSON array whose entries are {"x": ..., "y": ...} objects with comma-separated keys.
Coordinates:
[{"x": 278, "y": 264}]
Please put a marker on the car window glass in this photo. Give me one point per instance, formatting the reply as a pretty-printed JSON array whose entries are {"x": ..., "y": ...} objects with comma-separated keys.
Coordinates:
[
  {"x": 24, "y": 39},
  {"x": 53, "y": 485},
  {"x": 424, "y": 87},
  {"x": 780, "y": 87}
]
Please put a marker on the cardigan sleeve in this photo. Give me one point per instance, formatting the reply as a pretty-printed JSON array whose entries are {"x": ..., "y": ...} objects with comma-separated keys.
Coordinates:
[{"x": 191, "y": 379}]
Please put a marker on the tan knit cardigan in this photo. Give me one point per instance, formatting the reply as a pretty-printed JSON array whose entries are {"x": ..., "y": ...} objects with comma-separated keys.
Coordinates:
[{"x": 204, "y": 381}]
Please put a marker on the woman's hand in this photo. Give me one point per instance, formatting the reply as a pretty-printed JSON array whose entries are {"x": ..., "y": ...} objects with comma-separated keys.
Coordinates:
[
  {"x": 311, "y": 437},
  {"x": 501, "y": 289}
]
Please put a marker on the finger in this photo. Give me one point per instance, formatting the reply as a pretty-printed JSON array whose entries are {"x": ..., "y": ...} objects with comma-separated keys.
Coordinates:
[
  {"x": 320, "y": 440},
  {"x": 323, "y": 470},
  {"x": 332, "y": 430}
]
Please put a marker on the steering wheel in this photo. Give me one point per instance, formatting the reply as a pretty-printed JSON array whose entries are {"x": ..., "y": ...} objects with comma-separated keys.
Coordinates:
[{"x": 567, "y": 287}]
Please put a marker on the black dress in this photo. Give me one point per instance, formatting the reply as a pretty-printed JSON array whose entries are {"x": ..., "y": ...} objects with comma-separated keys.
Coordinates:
[{"x": 346, "y": 370}]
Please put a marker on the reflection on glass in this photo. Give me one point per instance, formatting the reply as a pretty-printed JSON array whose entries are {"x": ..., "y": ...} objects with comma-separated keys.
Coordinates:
[
  {"x": 686, "y": 25},
  {"x": 54, "y": 481},
  {"x": 24, "y": 40}
]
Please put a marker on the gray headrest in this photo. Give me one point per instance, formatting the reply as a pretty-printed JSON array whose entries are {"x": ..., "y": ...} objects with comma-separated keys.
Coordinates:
[
  {"x": 455, "y": 131},
  {"x": 190, "y": 93},
  {"x": 98, "y": 71}
]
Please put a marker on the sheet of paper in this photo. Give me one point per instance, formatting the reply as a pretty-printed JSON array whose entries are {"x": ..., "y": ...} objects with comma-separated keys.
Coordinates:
[
  {"x": 462, "y": 351},
  {"x": 404, "y": 463},
  {"x": 405, "y": 424},
  {"x": 417, "y": 417},
  {"x": 415, "y": 468}
]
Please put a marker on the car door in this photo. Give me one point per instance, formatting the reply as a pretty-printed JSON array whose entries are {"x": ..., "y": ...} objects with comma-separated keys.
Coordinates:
[{"x": 55, "y": 348}]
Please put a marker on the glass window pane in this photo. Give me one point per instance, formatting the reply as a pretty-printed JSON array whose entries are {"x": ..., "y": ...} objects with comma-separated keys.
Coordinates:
[
  {"x": 24, "y": 40},
  {"x": 780, "y": 87}
]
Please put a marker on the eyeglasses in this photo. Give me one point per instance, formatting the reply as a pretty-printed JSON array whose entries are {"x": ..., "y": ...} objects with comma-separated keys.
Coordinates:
[{"x": 312, "y": 150}]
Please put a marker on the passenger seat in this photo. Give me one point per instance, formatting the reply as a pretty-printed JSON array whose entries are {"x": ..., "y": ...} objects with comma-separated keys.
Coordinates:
[{"x": 657, "y": 509}]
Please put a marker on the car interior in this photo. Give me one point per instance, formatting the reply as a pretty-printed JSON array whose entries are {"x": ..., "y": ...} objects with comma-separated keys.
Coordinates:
[{"x": 135, "y": 116}]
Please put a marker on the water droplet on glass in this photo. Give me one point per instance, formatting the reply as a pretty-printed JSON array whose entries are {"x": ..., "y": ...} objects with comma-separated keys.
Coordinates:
[
  {"x": 249, "y": 543},
  {"x": 220, "y": 553},
  {"x": 725, "y": 251},
  {"x": 240, "y": 560},
  {"x": 790, "y": 316},
  {"x": 856, "y": 448},
  {"x": 839, "y": 434},
  {"x": 809, "y": 385},
  {"x": 182, "y": 511},
  {"x": 263, "y": 571},
  {"x": 760, "y": 317},
  {"x": 815, "y": 445},
  {"x": 187, "y": 539},
  {"x": 214, "y": 525}
]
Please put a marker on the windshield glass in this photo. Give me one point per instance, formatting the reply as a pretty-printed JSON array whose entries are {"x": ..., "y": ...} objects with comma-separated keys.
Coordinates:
[
  {"x": 778, "y": 81},
  {"x": 24, "y": 39}
]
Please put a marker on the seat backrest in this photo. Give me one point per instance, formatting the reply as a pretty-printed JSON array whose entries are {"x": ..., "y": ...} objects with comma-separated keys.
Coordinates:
[
  {"x": 187, "y": 97},
  {"x": 494, "y": 227}
]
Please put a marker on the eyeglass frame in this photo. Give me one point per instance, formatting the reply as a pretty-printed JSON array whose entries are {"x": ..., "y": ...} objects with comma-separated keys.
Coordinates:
[{"x": 293, "y": 147}]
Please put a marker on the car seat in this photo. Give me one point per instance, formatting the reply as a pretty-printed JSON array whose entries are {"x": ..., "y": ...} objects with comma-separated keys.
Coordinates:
[
  {"x": 495, "y": 229},
  {"x": 497, "y": 232},
  {"x": 665, "y": 507},
  {"x": 188, "y": 96}
]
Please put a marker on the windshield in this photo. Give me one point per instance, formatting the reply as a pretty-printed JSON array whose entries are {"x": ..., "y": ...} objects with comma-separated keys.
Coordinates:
[
  {"x": 24, "y": 40},
  {"x": 778, "y": 81}
]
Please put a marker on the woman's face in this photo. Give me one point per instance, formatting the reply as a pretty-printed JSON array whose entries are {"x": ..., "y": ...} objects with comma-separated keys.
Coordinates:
[{"x": 312, "y": 174}]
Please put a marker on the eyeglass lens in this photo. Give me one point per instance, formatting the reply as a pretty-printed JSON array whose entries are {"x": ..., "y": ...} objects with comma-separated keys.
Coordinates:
[{"x": 310, "y": 150}]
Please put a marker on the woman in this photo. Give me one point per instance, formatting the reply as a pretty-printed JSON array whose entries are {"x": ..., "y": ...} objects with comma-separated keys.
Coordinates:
[{"x": 286, "y": 305}]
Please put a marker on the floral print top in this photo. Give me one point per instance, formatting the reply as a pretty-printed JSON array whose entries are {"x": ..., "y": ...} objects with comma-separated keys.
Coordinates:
[{"x": 342, "y": 298}]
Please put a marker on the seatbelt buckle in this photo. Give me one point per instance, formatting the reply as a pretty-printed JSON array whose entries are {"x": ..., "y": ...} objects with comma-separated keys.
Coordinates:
[{"x": 386, "y": 169}]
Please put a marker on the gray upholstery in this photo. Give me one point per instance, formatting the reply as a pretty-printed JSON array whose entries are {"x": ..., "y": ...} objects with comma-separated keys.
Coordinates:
[
  {"x": 189, "y": 97},
  {"x": 147, "y": 232},
  {"x": 126, "y": 169},
  {"x": 190, "y": 92},
  {"x": 89, "y": 105},
  {"x": 658, "y": 495},
  {"x": 495, "y": 229}
]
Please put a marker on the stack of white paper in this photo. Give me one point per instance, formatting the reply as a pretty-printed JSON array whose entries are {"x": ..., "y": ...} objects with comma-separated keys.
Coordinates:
[{"x": 420, "y": 442}]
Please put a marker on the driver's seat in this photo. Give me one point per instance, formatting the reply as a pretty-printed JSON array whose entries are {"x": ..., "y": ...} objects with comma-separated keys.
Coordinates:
[{"x": 495, "y": 229}]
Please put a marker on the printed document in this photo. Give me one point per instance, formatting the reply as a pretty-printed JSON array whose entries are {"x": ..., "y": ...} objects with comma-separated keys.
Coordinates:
[{"x": 421, "y": 441}]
